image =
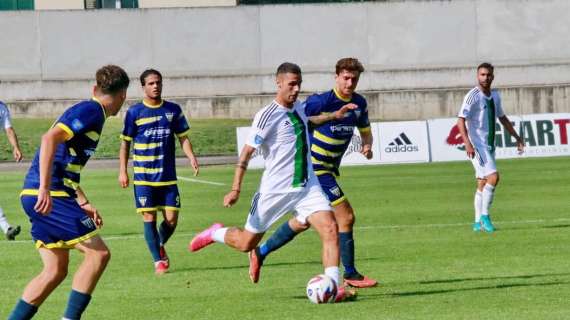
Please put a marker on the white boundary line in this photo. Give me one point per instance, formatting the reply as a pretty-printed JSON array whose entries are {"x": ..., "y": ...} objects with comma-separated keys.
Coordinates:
[
  {"x": 403, "y": 226},
  {"x": 201, "y": 181}
]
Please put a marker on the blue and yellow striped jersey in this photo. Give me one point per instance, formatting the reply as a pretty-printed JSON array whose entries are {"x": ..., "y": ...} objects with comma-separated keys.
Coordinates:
[
  {"x": 152, "y": 131},
  {"x": 83, "y": 122},
  {"x": 330, "y": 140}
]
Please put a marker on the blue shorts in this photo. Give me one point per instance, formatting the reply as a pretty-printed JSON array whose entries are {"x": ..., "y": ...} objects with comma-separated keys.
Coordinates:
[
  {"x": 149, "y": 198},
  {"x": 331, "y": 188},
  {"x": 64, "y": 227}
]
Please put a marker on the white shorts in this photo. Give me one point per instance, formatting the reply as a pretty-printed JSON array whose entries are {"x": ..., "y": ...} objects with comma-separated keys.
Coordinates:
[
  {"x": 266, "y": 208},
  {"x": 483, "y": 162}
]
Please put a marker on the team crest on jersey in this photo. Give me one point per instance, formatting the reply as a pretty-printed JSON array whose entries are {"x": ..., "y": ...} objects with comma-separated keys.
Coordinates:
[
  {"x": 357, "y": 113},
  {"x": 142, "y": 201},
  {"x": 335, "y": 190},
  {"x": 88, "y": 222},
  {"x": 169, "y": 116},
  {"x": 77, "y": 125}
]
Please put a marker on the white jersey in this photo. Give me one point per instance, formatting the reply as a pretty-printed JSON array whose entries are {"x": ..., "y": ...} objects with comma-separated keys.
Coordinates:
[
  {"x": 280, "y": 134},
  {"x": 481, "y": 113},
  {"x": 4, "y": 116}
]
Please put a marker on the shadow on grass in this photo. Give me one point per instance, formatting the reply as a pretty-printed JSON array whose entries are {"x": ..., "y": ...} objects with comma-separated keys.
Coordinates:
[
  {"x": 443, "y": 291},
  {"x": 525, "y": 276}
]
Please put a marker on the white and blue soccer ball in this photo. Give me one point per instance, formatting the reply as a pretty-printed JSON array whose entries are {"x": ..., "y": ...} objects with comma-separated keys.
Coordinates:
[{"x": 321, "y": 289}]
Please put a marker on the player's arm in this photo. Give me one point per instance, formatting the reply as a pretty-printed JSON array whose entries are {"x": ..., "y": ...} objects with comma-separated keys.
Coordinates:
[
  {"x": 509, "y": 126},
  {"x": 366, "y": 136},
  {"x": 50, "y": 141},
  {"x": 337, "y": 115},
  {"x": 186, "y": 146},
  {"x": 124, "y": 162},
  {"x": 89, "y": 209},
  {"x": 465, "y": 136},
  {"x": 241, "y": 167},
  {"x": 13, "y": 138}
]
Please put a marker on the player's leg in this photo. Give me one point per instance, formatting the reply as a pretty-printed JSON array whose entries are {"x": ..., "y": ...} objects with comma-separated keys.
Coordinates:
[
  {"x": 282, "y": 235},
  {"x": 171, "y": 208},
  {"x": 96, "y": 256},
  {"x": 146, "y": 203},
  {"x": 7, "y": 229},
  {"x": 489, "y": 171},
  {"x": 55, "y": 262},
  {"x": 265, "y": 210}
]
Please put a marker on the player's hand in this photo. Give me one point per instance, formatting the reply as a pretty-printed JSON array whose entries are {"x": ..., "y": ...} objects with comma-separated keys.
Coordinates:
[
  {"x": 366, "y": 151},
  {"x": 339, "y": 114},
  {"x": 195, "y": 166},
  {"x": 123, "y": 179},
  {"x": 17, "y": 155},
  {"x": 44, "y": 203},
  {"x": 231, "y": 198},
  {"x": 520, "y": 146},
  {"x": 470, "y": 150},
  {"x": 92, "y": 212}
]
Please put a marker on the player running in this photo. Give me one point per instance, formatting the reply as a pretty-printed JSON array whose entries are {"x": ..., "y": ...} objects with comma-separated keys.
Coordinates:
[
  {"x": 151, "y": 126},
  {"x": 288, "y": 183},
  {"x": 61, "y": 215},
  {"x": 9, "y": 231},
  {"x": 480, "y": 109},
  {"x": 333, "y": 115}
]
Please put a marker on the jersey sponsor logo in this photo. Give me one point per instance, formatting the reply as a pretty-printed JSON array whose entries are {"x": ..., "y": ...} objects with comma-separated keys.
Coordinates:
[
  {"x": 258, "y": 139},
  {"x": 342, "y": 128},
  {"x": 335, "y": 191},
  {"x": 142, "y": 201},
  {"x": 77, "y": 125},
  {"x": 159, "y": 132},
  {"x": 169, "y": 116},
  {"x": 402, "y": 144},
  {"x": 88, "y": 222}
]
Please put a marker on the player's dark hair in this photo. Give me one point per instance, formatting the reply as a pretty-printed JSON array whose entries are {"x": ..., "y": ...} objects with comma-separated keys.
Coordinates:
[
  {"x": 486, "y": 65},
  {"x": 147, "y": 73},
  {"x": 349, "y": 64},
  {"x": 111, "y": 79},
  {"x": 288, "y": 67}
]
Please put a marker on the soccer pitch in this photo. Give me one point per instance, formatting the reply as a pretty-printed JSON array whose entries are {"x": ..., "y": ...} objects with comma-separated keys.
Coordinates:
[{"x": 413, "y": 234}]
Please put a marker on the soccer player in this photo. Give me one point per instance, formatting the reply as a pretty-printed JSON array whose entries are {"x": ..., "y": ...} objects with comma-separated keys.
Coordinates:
[
  {"x": 288, "y": 183},
  {"x": 151, "y": 126},
  {"x": 61, "y": 215},
  {"x": 9, "y": 231},
  {"x": 480, "y": 109},
  {"x": 330, "y": 137}
]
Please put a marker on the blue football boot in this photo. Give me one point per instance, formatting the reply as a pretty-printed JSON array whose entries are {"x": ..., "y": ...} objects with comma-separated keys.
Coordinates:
[{"x": 486, "y": 224}]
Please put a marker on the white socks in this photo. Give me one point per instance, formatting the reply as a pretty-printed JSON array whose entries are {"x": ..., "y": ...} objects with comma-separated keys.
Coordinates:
[
  {"x": 4, "y": 225},
  {"x": 488, "y": 194},
  {"x": 219, "y": 235},
  {"x": 478, "y": 205},
  {"x": 334, "y": 273}
]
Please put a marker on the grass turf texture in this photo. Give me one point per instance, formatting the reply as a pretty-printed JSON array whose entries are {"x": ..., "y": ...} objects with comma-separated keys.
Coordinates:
[
  {"x": 208, "y": 136},
  {"x": 413, "y": 234}
]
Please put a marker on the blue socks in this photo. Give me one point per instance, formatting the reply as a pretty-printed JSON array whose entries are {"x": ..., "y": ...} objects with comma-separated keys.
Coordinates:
[
  {"x": 165, "y": 231},
  {"x": 23, "y": 311},
  {"x": 346, "y": 243},
  {"x": 76, "y": 305},
  {"x": 282, "y": 235},
  {"x": 152, "y": 239}
]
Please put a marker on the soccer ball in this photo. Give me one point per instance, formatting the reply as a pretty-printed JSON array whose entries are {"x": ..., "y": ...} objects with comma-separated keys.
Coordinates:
[{"x": 321, "y": 289}]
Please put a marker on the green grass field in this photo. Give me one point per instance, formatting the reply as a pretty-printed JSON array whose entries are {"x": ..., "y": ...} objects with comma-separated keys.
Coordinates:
[
  {"x": 413, "y": 234},
  {"x": 209, "y": 137}
]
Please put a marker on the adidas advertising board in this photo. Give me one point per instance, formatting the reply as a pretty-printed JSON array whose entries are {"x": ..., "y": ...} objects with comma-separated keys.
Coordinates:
[
  {"x": 405, "y": 141},
  {"x": 545, "y": 135}
]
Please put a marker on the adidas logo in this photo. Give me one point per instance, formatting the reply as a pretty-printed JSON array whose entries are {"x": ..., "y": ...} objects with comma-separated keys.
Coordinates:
[{"x": 401, "y": 144}]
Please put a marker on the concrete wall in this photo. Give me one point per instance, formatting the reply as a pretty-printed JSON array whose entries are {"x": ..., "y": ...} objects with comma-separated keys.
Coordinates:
[
  {"x": 59, "y": 4},
  {"x": 415, "y": 52},
  {"x": 185, "y": 3}
]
